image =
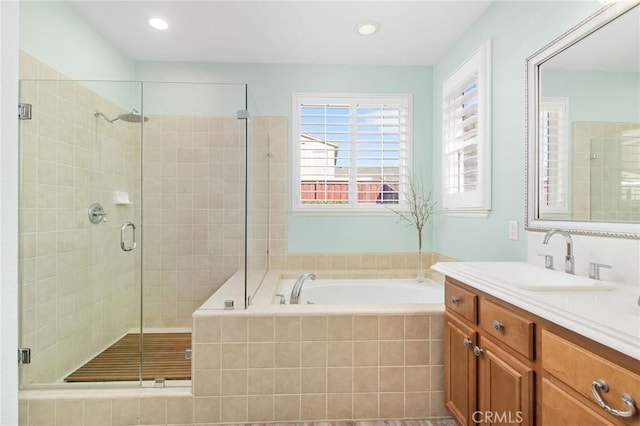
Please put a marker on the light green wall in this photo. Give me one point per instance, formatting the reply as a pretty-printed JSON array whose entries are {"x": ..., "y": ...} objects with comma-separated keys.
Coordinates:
[
  {"x": 517, "y": 30},
  {"x": 611, "y": 96},
  {"x": 54, "y": 33},
  {"x": 271, "y": 87}
]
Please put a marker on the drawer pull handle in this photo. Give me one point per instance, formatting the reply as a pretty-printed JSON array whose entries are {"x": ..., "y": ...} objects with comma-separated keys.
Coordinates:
[
  {"x": 455, "y": 300},
  {"x": 477, "y": 351},
  {"x": 601, "y": 385},
  {"x": 466, "y": 342},
  {"x": 497, "y": 325}
]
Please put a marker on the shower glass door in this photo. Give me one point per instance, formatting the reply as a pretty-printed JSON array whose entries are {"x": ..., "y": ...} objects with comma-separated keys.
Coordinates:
[
  {"x": 80, "y": 204},
  {"x": 133, "y": 212}
]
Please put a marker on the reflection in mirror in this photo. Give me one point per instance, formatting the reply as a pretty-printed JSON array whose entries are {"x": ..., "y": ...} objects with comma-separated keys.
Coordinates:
[{"x": 584, "y": 125}]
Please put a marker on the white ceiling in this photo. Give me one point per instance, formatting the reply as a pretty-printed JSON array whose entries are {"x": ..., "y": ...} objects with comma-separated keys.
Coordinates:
[{"x": 414, "y": 32}]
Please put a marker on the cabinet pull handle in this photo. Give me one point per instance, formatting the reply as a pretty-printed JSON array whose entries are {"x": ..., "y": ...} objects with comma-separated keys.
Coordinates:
[
  {"x": 466, "y": 342},
  {"x": 497, "y": 325},
  {"x": 477, "y": 351},
  {"x": 455, "y": 300},
  {"x": 601, "y": 385}
]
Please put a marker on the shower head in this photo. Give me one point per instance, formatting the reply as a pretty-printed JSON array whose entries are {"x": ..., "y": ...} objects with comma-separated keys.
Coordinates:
[{"x": 130, "y": 117}]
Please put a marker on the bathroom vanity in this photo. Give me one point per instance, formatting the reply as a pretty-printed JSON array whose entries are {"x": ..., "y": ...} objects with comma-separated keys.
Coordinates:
[{"x": 538, "y": 356}]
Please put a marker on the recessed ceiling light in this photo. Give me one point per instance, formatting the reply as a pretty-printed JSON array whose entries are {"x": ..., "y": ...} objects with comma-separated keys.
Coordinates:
[
  {"x": 158, "y": 23},
  {"x": 367, "y": 28}
]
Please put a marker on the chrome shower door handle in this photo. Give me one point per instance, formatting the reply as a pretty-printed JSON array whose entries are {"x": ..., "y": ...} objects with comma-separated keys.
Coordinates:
[{"x": 123, "y": 229}]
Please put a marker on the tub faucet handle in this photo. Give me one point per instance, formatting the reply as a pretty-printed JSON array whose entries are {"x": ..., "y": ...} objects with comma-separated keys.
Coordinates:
[{"x": 283, "y": 300}]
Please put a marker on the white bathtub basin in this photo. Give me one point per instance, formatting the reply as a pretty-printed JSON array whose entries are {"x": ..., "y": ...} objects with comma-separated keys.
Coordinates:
[
  {"x": 365, "y": 291},
  {"x": 529, "y": 277}
]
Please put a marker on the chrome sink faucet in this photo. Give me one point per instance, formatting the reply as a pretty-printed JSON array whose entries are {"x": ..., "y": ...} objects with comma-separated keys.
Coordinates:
[
  {"x": 297, "y": 287},
  {"x": 568, "y": 259}
]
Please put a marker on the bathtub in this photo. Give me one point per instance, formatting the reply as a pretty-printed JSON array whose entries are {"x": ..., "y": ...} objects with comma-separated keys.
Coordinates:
[{"x": 363, "y": 291}]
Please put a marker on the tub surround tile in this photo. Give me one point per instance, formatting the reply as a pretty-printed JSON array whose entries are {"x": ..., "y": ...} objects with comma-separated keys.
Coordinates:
[
  {"x": 287, "y": 329},
  {"x": 417, "y": 379},
  {"x": 365, "y": 406},
  {"x": 391, "y": 379},
  {"x": 313, "y": 354},
  {"x": 287, "y": 381},
  {"x": 206, "y": 356},
  {"x": 287, "y": 407},
  {"x": 125, "y": 411},
  {"x": 233, "y": 329},
  {"x": 206, "y": 383},
  {"x": 233, "y": 355},
  {"x": 340, "y": 354},
  {"x": 233, "y": 383},
  {"x": 153, "y": 411},
  {"x": 391, "y": 352},
  {"x": 365, "y": 379},
  {"x": 261, "y": 408},
  {"x": 179, "y": 411},
  {"x": 391, "y": 405},
  {"x": 365, "y": 327},
  {"x": 261, "y": 381},
  {"x": 314, "y": 328},
  {"x": 417, "y": 352},
  {"x": 416, "y": 327},
  {"x": 340, "y": 327},
  {"x": 234, "y": 409},
  {"x": 417, "y": 405},
  {"x": 313, "y": 380},
  {"x": 261, "y": 329},
  {"x": 391, "y": 327},
  {"x": 97, "y": 412},
  {"x": 365, "y": 353},
  {"x": 261, "y": 355},
  {"x": 206, "y": 409},
  {"x": 68, "y": 412},
  {"x": 287, "y": 354},
  {"x": 313, "y": 407},
  {"x": 339, "y": 380},
  {"x": 340, "y": 406}
]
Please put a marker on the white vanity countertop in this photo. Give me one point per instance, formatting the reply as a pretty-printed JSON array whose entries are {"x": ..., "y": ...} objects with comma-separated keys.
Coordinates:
[{"x": 610, "y": 317}]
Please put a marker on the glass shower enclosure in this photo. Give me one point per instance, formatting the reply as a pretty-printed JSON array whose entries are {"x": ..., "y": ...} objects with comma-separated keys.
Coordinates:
[{"x": 136, "y": 204}]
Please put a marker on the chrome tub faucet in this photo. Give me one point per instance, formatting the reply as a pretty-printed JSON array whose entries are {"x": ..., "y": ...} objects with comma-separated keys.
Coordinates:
[
  {"x": 297, "y": 287},
  {"x": 568, "y": 259}
]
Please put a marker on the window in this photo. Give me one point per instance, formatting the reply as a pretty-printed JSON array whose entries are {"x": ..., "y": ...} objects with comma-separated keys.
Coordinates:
[
  {"x": 554, "y": 157},
  {"x": 351, "y": 152},
  {"x": 466, "y": 135}
]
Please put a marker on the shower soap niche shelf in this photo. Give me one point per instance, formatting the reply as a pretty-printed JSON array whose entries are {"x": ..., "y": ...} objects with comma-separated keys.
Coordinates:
[{"x": 121, "y": 198}]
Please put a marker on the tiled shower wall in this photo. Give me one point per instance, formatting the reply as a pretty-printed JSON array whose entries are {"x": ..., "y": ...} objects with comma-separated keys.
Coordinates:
[
  {"x": 193, "y": 213},
  {"x": 598, "y": 192},
  {"x": 78, "y": 291}
]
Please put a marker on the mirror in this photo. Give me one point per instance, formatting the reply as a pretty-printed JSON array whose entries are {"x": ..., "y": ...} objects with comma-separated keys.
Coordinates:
[{"x": 583, "y": 128}]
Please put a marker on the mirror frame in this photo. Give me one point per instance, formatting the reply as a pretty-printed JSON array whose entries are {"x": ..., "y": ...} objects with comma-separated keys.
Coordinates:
[{"x": 532, "y": 222}]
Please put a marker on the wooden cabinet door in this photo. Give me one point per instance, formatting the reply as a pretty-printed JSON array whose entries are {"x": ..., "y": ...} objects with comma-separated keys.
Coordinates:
[
  {"x": 505, "y": 388},
  {"x": 460, "y": 370}
]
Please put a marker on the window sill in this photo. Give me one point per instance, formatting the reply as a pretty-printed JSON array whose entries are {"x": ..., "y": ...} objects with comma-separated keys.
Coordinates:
[{"x": 478, "y": 214}]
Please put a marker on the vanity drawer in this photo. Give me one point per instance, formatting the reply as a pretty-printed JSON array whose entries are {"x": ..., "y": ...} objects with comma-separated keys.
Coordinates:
[
  {"x": 579, "y": 368},
  {"x": 507, "y": 327},
  {"x": 461, "y": 301}
]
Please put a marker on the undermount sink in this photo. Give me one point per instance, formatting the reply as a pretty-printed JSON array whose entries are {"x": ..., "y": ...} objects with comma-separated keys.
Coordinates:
[{"x": 529, "y": 277}]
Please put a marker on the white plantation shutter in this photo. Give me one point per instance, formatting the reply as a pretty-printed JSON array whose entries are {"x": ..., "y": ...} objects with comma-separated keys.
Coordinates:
[
  {"x": 352, "y": 152},
  {"x": 554, "y": 156},
  {"x": 466, "y": 135}
]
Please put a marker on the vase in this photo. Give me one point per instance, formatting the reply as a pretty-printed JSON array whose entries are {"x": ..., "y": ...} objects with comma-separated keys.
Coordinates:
[{"x": 420, "y": 276}]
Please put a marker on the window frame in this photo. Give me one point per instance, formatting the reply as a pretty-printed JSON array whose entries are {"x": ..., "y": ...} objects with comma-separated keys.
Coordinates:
[
  {"x": 564, "y": 154},
  {"x": 353, "y": 99},
  {"x": 472, "y": 203}
]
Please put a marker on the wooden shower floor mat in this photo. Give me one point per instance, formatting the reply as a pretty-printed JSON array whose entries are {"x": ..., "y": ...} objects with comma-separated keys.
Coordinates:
[{"x": 163, "y": 356}]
